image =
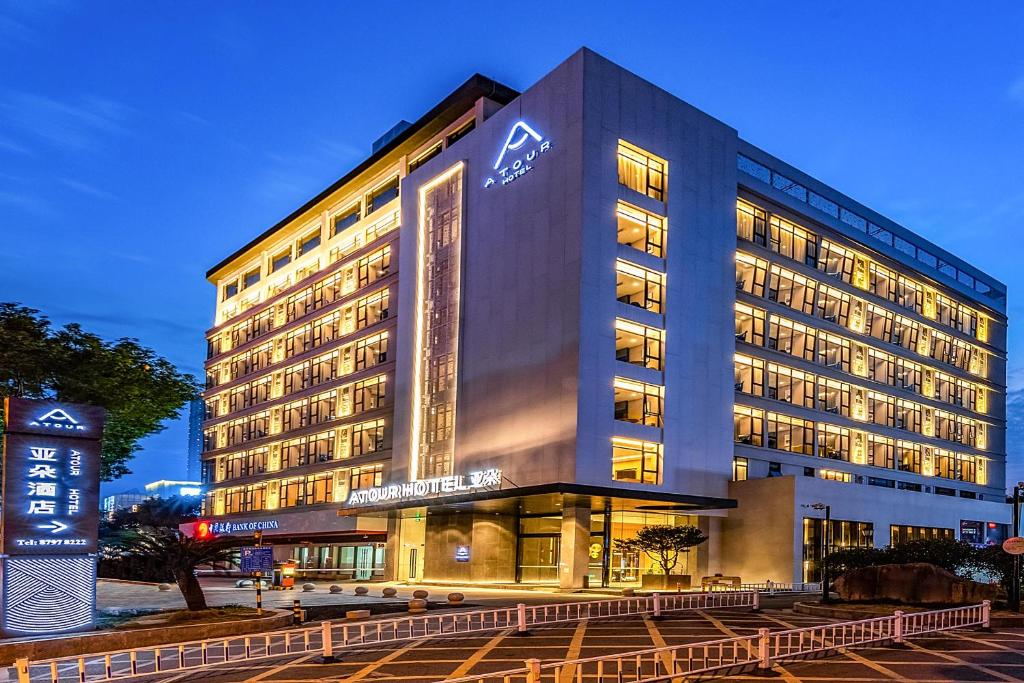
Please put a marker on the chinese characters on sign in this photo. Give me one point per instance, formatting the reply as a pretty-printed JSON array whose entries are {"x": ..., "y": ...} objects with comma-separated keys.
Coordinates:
[
  {"x": 424, "y": 488},
  {"x": 51, "y": 463}
]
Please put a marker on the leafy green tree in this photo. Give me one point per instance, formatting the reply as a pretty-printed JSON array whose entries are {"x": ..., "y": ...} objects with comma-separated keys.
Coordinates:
[
  {"x": 139, "y": 389},
  {"x": 663, "y": 543}
]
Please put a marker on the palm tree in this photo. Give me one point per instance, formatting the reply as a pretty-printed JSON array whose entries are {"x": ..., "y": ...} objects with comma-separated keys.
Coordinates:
[{"x": 180, "y": 554}]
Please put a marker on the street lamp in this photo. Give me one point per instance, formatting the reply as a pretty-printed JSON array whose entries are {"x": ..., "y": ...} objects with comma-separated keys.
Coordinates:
[
  {"x": 1015, "y": 577},
  {"x": 824, "y": 545}
]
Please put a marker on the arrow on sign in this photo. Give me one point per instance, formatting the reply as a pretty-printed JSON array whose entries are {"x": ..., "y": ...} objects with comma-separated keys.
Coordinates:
[{"x": 55, "y": 527}]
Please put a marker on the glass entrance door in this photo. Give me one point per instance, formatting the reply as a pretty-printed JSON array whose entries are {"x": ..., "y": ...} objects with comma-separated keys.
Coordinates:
[
  {"x": 538, "y": 559},
  {"x": 364, "y": 562}
]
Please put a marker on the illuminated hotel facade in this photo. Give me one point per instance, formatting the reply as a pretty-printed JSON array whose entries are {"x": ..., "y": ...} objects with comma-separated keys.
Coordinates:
[{"x": 531, "y": 323}]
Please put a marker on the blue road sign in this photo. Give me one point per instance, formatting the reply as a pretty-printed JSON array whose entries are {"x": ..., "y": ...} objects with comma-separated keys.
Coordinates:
[{"x": 257, "y": 559}]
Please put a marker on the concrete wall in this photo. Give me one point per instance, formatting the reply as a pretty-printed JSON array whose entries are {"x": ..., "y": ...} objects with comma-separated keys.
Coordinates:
[{"x": 761, "y": 539}]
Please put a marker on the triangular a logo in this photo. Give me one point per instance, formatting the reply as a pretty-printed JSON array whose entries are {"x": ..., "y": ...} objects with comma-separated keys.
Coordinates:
[
  {"x": 57, "y": 415},
  {"x": 517, "y": 137}
]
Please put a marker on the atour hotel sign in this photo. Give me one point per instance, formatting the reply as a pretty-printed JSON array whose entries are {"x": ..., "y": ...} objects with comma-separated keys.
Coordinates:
[
  {"x": 426, "y": 488},
  {"x": 48, "y": 526},
  {"x": 522, "y": 148}
]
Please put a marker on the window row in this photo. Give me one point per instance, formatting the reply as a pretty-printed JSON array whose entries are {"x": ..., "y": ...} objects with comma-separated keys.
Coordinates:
[
  {"x": 755, "y": 427},
  {"x": 755, "y": 225},
  {"x": 313, "y": 489}
]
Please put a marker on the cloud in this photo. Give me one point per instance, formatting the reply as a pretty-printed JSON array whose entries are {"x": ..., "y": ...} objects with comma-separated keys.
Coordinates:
[
  {"x": 82, "y": 125},
  {"x": 86, "y": 188}
]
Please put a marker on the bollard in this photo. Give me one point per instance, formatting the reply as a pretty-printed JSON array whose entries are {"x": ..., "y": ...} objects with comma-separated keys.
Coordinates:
[
  {"x": 521, "y": 620},
  {"x": 21, "y": 665},
  {"x": 986, "y": 614},
  {"x": 897, "y": 631},
  {"x": 771, "y": 587},
  {"x": 532, "y": 670},
  {"x": 755, "y": 605},
  {"x": 657, "y": 606},
  {"x": 328, "y": 644},
  {"x": 764, "y": 661},
  {"x": 296, "y": 611}
]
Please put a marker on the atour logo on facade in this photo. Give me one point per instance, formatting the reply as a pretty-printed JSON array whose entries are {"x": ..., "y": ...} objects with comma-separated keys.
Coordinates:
[
  {"x": 57, "y": 419},
  {"x": 522, "y": 147}
]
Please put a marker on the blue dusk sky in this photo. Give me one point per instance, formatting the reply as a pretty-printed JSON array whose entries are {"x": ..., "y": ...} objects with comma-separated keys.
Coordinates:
[{"x": 141, "y": 142}]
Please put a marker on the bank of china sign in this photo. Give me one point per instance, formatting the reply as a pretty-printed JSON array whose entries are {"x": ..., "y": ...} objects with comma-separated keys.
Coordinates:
[
  {"x": 522, "y": 148},
  {"x": 426, "y": 488}
]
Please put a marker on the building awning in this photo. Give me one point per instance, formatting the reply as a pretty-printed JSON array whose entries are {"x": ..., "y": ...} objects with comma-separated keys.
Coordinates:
[{"x": 551, "y": 498}]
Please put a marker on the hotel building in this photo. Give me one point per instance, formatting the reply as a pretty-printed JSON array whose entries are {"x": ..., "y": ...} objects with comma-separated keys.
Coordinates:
[{"x": 529, "y": 324}]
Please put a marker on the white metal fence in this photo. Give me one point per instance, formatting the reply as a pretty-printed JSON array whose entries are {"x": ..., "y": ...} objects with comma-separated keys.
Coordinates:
[
  {"x": 744, "y": 653},
  {"x": 328, "y": 638}
]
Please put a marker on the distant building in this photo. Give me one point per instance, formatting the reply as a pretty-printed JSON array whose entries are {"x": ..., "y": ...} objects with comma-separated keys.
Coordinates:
[
  {"x": 157, "y": 489},
  {"x": 194, "y": 464}
]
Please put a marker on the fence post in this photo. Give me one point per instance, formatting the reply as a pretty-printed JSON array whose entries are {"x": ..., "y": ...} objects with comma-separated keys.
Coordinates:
[
  {"x": 532, "y": 670},
  {"x": 296, "y": 611},
  {"x": 764, "y": 661},
  {"x": 21, "y": 665},
  {"x": 897, "y": 634},
  {"x": 657, "y": 606},
  {"x": 521, "y": 619},
  {"x": 756, "y": 601},
  {"x": 986, "y": 614},
  {"x": 771, "y": 587},
  {"x": 328, "y": 644}
]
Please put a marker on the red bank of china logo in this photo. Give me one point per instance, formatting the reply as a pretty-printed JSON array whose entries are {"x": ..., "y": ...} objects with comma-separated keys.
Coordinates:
[
  {"x": 57, "y": 419},
  {"x": 522, "y": 147}
]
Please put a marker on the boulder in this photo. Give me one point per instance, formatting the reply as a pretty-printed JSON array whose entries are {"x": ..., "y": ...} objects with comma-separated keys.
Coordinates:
[
  {"x": 335, "y": 589},
  {"x": 308, "y": 587},
  {"x": 389, "y": 592},
  {"x": 420, "y": 594},
  {"x": 455, "y": 598},
  {"x": 362, "y": 590},
  {"x": 164, "y": 587},
  {"x": 417, "y": 606},
  {"x": 916, "y": 583}
]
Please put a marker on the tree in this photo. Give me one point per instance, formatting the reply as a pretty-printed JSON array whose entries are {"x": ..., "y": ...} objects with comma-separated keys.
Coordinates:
[
  {"x": 138, "y": 388},
  {"x": 180, "y": 554},
  {"x": 663, "y": 543}
]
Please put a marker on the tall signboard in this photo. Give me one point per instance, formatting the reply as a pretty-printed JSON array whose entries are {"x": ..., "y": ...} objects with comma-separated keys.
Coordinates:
[{"x": 50, "y": 516}]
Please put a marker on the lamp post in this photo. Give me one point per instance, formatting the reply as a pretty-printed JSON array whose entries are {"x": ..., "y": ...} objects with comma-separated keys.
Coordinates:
[
  {"x": 826, "y": 527},
  {"x": 1015, "y": 577}
]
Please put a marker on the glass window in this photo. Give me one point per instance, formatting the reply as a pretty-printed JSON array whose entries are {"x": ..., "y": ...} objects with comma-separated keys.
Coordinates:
[
  {"x": 639, "y": 286},
  {"x": 791, "y": 434},
  {"x": 833, "y": 351},
  {"x": 309, "y": 243},
  {"x": 250, "y": 278},
  {"x": 791, "y": 386},
  {"x": 833, "y": 396},
  {"x": 346, "y": 219},
  {"x": 740, "y": 467},
  {"x": 638, "y": 402},
  {"x": 382, "y": 195},
  {"x": 640, "y": 171},
  {"x": 792, "y": 338},
  {"x": 793, "y": 241},
  {"x": 749, "y": 325},
  {"x": 749, "y": 375},
  {"x": 641, "y": 230},
  {"x": 881, "y": 451},
  {"x": 425, "y": 157},
  {"x": 230, "y": 289},
  {"x": 367, "y": 437},
  {"x": 751, "y": 223},
  {"x": 835, "y": 261},
  {"x": 791, "y": 289},
  {"x": 751, "y": 273},
  {"x": 281, "y": 260},
  {"x": 460, "y": 133},
  {"x": 638, "y": 344},
  {"x": 636, "y": 461},
  {"x": 748, "y": 425}
]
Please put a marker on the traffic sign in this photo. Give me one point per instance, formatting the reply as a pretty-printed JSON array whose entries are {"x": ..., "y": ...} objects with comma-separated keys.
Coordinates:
[
  {"x": 257, "y": 559},
  {"x": 1014, "y": 546}
]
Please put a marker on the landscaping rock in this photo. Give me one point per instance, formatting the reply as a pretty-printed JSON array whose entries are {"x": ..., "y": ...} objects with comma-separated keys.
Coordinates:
[
  {"x": 420, "y": 594},
  {"x": 335, "y": 589},
  {"x": 164, "y": 587},
  {"x": 362, "y": 590},
  {"x": 308, "y": 588},
  {"x": 389, "y": 592},
  {"x": 915, "y": 583},
  {"x": 417, "y": 606},
  {"x": 455, "y": 598}
]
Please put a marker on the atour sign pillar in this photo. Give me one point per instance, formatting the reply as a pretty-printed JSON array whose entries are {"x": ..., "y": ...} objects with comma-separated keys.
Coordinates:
[{"x": 50, "y": 516}]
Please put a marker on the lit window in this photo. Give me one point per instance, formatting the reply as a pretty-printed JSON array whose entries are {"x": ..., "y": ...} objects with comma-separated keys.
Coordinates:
[
  {"x": 740, "y": 469},
  {"x": 281, "y": 260},
  {"x": 382, "y": 195},
  {"x": 309, "y": 243},
  {"x": 425, "y": 157},
  {"x": 346, "y": 219},
  {"x": 638, "y": 402},
  {"x": 250, "y": 278},
  {"x": 230, "y": 290},
  {"x": 638, "y": 286},
  {"x": 639, "y": 344},
  {"x": 641, "y": 230},
  {"x": 641, "y": 171},
  {"x": 636, "y": 461}
]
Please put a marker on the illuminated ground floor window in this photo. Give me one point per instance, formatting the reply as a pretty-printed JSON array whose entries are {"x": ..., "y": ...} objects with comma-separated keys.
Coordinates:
[{"x": 841, "y": 534}]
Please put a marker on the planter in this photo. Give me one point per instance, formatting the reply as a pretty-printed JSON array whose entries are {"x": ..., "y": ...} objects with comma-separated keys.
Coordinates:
[{"x": 661, "y": 582}]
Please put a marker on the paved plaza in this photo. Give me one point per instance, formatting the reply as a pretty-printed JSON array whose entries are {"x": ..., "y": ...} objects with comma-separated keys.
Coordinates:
[{"x": 959, "y": 656}]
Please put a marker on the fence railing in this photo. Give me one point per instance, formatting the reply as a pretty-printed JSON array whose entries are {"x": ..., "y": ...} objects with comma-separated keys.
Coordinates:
[
  {"x": 744, "y": 653},
  {"x": 328, "y": 638},
  {"x": 770, "y": 587}
]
